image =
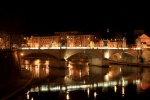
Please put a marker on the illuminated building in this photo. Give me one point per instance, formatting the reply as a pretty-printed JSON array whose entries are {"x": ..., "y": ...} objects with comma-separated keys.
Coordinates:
[
  {"x": 43, "y": 41},
  {"x": 73, "y": 39},
  {"x": 143, "y": 41},
  {"x": 79, "y": 40}
]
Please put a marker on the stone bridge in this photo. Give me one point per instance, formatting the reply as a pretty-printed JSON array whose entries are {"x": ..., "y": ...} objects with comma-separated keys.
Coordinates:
[{"x": 95, "y": 56}]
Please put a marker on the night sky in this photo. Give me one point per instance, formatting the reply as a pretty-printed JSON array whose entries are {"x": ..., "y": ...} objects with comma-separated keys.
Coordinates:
[{"x": 47, "y": 18}]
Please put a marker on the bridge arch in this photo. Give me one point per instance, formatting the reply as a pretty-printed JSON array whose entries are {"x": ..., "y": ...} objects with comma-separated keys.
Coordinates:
[
  {"x": 87, "y": 54},
  {"x": 94, "y": 55},
  {"x": 39, "y": 55},
  {"x": 66, "y": 53},
  {"x": 129, "y": 51},
  {"x": 124, "y": 56}
]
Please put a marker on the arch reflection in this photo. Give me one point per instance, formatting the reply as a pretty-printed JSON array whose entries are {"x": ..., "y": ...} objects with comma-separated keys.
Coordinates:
[
  {"x": 145, "y": 79},
  {"x": 77, "y": 72},
  {"x": 38, "y": 67},
  {"x": 121, "y": 71}
]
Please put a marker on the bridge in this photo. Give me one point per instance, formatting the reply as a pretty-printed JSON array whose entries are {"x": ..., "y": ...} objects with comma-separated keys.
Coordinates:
[{"x": 94, "y": 55}]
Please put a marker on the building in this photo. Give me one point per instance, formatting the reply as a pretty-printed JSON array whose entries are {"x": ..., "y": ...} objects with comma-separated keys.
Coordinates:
[
  {"x": 73, "y": 39},
  {"x": 113, "y": 43},
  {"x": 62, "y": 39},
  {"x": 57, "y": 41},
  {"x": 79, "y": 40},
  {"x": 143, "y": 41},
  {"x": 43, "y": 41}
]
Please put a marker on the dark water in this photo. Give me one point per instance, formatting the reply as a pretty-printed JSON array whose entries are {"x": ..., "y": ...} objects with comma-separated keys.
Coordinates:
[{"x": 116, "y": 82}]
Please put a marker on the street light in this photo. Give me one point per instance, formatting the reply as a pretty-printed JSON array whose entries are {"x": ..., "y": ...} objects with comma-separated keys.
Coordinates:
[{"x": 22, "y": 54}]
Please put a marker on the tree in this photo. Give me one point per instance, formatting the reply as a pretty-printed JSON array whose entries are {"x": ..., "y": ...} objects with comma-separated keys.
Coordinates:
[
  {"x": 8, "y": 40},
  {"x": 17, "y": 40},
  {"x": 5, "y": 40}
]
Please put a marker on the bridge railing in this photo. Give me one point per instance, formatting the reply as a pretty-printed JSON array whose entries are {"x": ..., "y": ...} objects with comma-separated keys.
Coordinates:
[{"x": 76, "y": 48}]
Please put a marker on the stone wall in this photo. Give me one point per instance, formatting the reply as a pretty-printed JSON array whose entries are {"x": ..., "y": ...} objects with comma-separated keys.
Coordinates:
[{"x": 146, "y": 55}]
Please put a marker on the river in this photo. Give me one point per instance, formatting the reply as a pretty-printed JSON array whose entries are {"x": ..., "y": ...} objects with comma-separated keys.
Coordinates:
[{"x": 86, "y": 82}]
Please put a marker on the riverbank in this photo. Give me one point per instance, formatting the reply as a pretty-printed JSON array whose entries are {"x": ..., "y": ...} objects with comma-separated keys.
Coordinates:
[{"x": 11, "y": 88}]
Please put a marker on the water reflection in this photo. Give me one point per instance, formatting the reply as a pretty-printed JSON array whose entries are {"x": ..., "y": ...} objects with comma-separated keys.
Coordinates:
[
  {"x": 78, "y": 72},
  {"x": 39, "y": 68},
  {"x": 145, "y": 79},
  {"x": 92, "y": 82},
  {"x": 121, "y": 71},
  {"x": 38, "y": 71}
]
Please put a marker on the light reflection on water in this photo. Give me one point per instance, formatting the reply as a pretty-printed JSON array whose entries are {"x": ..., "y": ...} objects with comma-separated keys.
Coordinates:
[{"x": 91, "y": 81}]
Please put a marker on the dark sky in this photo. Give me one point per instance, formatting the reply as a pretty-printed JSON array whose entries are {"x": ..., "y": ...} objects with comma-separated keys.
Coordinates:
[{"x": 46, "y": 18}]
